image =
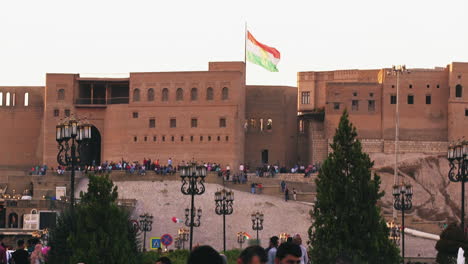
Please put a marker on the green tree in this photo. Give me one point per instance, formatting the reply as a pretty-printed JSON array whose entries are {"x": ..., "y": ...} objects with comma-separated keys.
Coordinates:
[
  {"x": 97, "y": 231},
  {"x": 347, "y": 220},
  {"x": 451, "y": 239}
]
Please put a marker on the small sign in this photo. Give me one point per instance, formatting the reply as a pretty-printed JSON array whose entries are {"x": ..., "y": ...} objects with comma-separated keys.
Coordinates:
[
  {"x": 155, "y": 243},
  {"x": 166, "y": 240}
]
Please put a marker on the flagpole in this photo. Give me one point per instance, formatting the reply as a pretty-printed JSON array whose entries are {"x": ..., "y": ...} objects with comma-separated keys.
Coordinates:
[{"x": 245, "y": 44}]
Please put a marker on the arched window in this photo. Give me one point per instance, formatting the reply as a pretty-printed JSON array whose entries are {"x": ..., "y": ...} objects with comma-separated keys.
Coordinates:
[
  {"x": 61, "y": 94},
  {"x": 458, "y": 90},
  {"x": 13, "y": 220},
  {"x": 225, "y": 94},
  {"x": 136, "y": 95},
  {"x": 150, "y": 94},
  {"x": 26, "y": 99},
  {"x": 269, "y": 125},
  {"x": 13, "y": 99},
  {"x": 7, "y": 99},
  {"x": 1, "y": 98},
  {"x": 165, "y": 95},
  {"x": 194, "y": 94},
  {"x": 209, "y": 94},
  {"x": 179, "y": 94}
]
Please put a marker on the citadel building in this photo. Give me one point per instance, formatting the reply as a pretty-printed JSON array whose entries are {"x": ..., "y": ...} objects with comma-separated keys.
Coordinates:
[{"x": 213, "y": 116}]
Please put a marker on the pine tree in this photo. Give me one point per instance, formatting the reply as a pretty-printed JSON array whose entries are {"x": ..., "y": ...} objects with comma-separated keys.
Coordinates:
[
  {"x": 451, "y": 239},
  {"x": 347, "y": 221},
  {"x": 97, "y": 231}
]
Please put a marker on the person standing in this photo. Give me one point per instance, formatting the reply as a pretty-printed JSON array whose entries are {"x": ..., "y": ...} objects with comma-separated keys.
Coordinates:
[
  {"x": 36, "y": 255},
  {"x": 288, "y": 253},
  {"x": 20, "y": 256},
  {"x": 286, "y": 194},
  {"x": 294, "y": 194},
  {"x": 298, "y": 241},
  {"x": 271, "y": 250},
  {"x": 3, "y": 256},
  {"x": 283, "y": 185}
]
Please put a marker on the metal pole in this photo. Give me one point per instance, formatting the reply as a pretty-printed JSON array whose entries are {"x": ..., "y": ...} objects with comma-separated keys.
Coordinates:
[
  {"x": 72, "y": 176},
  {"x": 224, "y": 228},
  {"x": 403, "y": 227},
  {"x": 463, "y": 202},
  {"x": 144, "y": 239},
  {"x": 258, "y": 242},
  {"x": 192, "y": 211}
]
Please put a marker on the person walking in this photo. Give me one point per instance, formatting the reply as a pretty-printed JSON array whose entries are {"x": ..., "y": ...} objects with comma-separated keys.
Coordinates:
[
  {"x": 286, "y": 194},
  {"x": 283, "y": 185}
]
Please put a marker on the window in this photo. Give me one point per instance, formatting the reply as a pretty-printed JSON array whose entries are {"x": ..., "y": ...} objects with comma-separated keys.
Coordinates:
[
  {"x": 56, "y": 112},
  {"x": 155, "y": 138},
  {"x": 459, "y": 76},
  {"x": 466, "y": 112},
  {"x": 305, "y": 98},
  {"x": 13, "y": 101},
  {"x": 227, "y": 138},
  {"x": 191, "y": 138},
  {"x": 194, "y": 94},
  {"x": 165, "y": 95},
  {"x": 135, "y": 139},
  {"x": 428, "y": 86},
  {"x": 428, "y": 99},
  {"x": 371, "y": 105},
  {"x": 163, "y": 138},
  {"x": 179, "y": 94},
  {"x": 152, "y": 123},
  {"x": 201, "y": 138},
  {"x": 1, "y": 99},
  {"x": 7, "y": 99},
  {"x": 410, "y": 99},
  {"x": 172, "y": 138},
  {"x": 371, "y": 94},
  {"x": 393, "y": 86},
  {"x": 136, "y": 95},
  {"x": 209, "y": 138},
  {"x": 145, "y": 138},
  {"x": 355, "y": 105},
  {"x": 354, "y": 93},
  {"x": 150, "y": 94},
  {"x": 253, "y": 123},
  {"x": 438, "y": 86},
  {"x": 269, "y": 125},
  {"x": 222, "y": 122},
  {"x": 67, "y": 112},
  {"x": 26, "y": 99},
  {"x": 61, "y": 95},
  {"x": 225, "y": 93},
  {"x": 336, "y": 106},
  {"x": 301, "y": 126},
  {"x": 209, "y": 94},
  {"x": 458, "y": 91},
  {"x": 392, "y": 99},
  {"x": 411, "y": 86},
  {"x": 261, "y": 124},
  {"x": 218, "y": 138},
  {"x": 135, "y": 114},
  {"x": 181, "y": 138},
  {"x": 173, "y": 123},
  {"x": 194, "y": 122}
]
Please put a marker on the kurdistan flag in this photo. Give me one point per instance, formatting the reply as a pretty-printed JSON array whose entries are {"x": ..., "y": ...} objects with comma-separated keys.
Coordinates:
[{"x": 261, "y": 54}]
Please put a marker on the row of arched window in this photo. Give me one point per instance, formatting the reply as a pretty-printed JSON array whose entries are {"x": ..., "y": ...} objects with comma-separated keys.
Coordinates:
[
  {"x": 182, "y": 138},
  {"x": 9, "y": 99},
  {"x": 260, "y": 124},
  {"x": 150, "y": 95}
]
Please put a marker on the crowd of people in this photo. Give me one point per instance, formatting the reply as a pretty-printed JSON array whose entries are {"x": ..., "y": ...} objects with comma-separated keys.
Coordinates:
[
  {"x": 31, "y": 253},
  {"x": 289, "y": 252},
  {"x": 271, "y": 170}
]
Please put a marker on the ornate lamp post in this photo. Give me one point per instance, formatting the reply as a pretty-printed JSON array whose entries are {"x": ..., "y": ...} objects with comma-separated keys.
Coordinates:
[
  {"x": 183, "y": 235},
  {"x": 257, "y": 222},
  {"x": 70, "y": 135},
  {"x": 403, "y": 194},
  {"x": 193, "y": 178},
  {"x": 457, "y": 155},
  {"x": 224, "y": 200},
  {"x": 394, "y": 232},
  {"x": 397, "y": 71},
  {"x": 240, "y": 238},
  {"x": 146, "y": 222}
]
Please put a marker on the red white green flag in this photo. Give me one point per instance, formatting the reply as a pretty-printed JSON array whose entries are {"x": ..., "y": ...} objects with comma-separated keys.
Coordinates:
[{"x": 261, "y": 54}]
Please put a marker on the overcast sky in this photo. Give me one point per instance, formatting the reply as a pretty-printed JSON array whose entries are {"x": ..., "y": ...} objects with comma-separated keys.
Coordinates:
[{"x": 40, "y": 36}]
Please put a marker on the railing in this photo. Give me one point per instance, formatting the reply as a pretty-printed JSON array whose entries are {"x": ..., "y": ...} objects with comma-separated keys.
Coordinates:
[
  {"x": 49, "y": 204},
  {"x": 102, "y": 101}
]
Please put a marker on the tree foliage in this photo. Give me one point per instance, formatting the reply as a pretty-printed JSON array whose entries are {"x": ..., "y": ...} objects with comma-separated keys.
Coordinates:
[
  {"x": 96, "y": 231},
  {"x": 451, "y": 239},
  {"x": 347, "y": 220}
]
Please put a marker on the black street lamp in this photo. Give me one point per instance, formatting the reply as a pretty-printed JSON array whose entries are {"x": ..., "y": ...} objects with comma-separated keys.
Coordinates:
[
  {"x": 257, "y": 222},
  {"x": 70, "y": 136},
  {"x": 224, "y": 200},
  {"x": 193, "y": 178},
  {"x": 240, "y": 238},
  {"x": 403, "y": 194},
  {"x": 183, "y": 235},
  {"x": 394, "y": 232},
  {"x": 457, "y": 155},
  {"x": 146, "y": 225}
]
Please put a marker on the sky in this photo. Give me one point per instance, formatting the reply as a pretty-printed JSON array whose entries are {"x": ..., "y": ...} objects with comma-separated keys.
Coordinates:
[{"x": 100, "y": 36}]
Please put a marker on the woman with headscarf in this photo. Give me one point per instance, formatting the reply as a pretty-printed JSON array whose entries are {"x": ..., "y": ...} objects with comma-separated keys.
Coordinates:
[{"x": 36, "y": 255}]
